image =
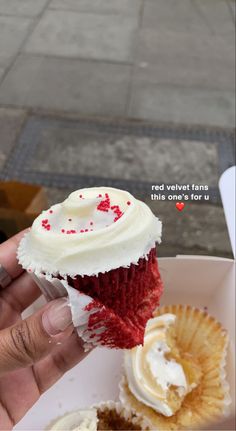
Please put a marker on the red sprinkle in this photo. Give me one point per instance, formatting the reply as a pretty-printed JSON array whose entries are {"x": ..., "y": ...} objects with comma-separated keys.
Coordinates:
[
  {"x": 51, "y": 211},
  {"x": 117, "y": 211},
  {"x": 46, "y": 225},
  {"x": 86, "y": 230},
  {"x": 104, "y": 205},
  {"x": 81, "y": 230},
  {"x": 80, "y": 196},
  {"x": 128, "y": 203},
  {"x": 63, "y": 230},
  {"x": 91, "y": 223}
]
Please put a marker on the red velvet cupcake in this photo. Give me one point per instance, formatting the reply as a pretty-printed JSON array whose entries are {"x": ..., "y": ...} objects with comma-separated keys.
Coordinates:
[{"x": 98, "y": 246}]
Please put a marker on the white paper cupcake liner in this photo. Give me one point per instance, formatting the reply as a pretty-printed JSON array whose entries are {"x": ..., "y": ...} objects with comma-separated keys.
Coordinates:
[
  {"x": 53, "y": 288},
  {"x": 124, "y": 401},
  {"x": 216, "y": 374}
]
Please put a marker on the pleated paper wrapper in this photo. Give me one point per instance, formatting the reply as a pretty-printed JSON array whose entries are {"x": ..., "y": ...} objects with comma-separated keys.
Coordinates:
[
  {"x": 201, "y": 336},
  {"x": 110, "y": 309}
]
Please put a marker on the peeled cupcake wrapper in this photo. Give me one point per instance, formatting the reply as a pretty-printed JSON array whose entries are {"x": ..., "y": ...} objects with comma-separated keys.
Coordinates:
[
  {"x": 125, "y": 300},
  {"x": 53, "y": 288},
  {"x": 205, "y": 339},
  {"x": 132, "y": 404}
]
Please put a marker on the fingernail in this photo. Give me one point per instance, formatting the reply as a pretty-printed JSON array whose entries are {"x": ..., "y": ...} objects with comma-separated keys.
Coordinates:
[{"x": 57, "y": 317}]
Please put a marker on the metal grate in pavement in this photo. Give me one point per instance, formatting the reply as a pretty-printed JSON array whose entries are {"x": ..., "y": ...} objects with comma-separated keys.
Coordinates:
[{"x": 23, "y": 154}]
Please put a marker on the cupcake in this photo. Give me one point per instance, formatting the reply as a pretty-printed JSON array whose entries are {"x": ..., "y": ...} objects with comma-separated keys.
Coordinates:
[
  {"x": 80, "y": 420},
  {"x": 107, "y": 416},
  {"x": 176, "y": 380},
  {"x": 98, "y": 247}
]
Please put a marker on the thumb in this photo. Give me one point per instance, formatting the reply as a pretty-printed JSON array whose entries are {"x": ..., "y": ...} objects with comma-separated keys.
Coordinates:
[{"x": 30, "y": 340}]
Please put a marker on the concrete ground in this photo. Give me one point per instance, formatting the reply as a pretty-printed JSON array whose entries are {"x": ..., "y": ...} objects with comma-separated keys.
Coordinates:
[
  {"x": 163, "y": 60},
  {"x": 122, "y": 92}
]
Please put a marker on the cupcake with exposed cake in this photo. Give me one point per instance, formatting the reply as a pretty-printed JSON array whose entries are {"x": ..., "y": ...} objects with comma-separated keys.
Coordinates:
[
  {"x": 107, "y": 416},
  {"x": 176, "y": 380},
  {"x": 99, "y": 248}
]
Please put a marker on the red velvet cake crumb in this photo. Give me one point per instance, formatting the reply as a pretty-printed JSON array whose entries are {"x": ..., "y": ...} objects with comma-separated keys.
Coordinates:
[{"x": 125, "y": 299}]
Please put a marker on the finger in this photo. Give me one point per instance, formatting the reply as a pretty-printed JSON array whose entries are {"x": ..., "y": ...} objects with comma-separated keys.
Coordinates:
[
  {"x": 21, "y": 293},
  {"x": 32, "y": 339},
  {"x": 62, "y": 359},
  {"x": 8, "y": 255}
]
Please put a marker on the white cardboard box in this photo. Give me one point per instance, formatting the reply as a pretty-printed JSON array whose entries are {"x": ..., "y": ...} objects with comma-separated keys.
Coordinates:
[{"x": 195, "y": 280}]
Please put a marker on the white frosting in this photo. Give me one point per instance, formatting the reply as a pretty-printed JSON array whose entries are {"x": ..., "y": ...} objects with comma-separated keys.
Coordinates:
[
  {"x": 80, "y": 420},
  {"x": 164, "y": 372},
  {"x": 90, "y": 232},
  {"x": 150, "y": 375}
]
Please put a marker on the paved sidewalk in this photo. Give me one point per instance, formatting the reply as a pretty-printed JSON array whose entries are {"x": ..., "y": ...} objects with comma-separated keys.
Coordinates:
[
  {"x": 126, "y": 93},
  {"x": 67, "y": 153},
  {"x": 161, "y": 60}
]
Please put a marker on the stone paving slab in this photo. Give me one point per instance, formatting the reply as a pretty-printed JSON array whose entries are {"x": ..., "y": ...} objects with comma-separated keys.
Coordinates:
[
  {"x": 185, "y": 68},
  {"x": 180, "y": 29},
  {"x": 66, "y": 85},
  {"x": 199, "y": 73},
  {"x": 182, "y": 105},
  {"x": 124, "y": 7},
  {"x": 90, "y": 36},
  {"x": 171, "y": 15},
  {"x": 128, "y": 157},
  {"x": 188, "y": 16},
  {"x": 194, "y": 73},
  {"x": 13, "y": 31},
  {"x": 197, "y": 226},
  {"x": 1, "y": 72},
  {"x": 22, "y": 7},
  {"x": 199, "y": 229},
  {"x": 154, "y": 43},
  {"x": 169, "y": 250},
  {"x": 216, "y": 16},
  {"x": 11, "y": 122},
  {"x": 232, "y": 7}
]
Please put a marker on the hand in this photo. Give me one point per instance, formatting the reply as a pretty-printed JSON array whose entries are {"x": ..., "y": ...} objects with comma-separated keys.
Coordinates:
[{"x": 36, "y": 352}]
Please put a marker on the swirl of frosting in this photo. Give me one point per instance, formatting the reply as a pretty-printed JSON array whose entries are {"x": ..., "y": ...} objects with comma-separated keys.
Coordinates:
[
  {"x": 80, "y": 420},
  {"x": 94, "y": 230},
  {"x": 154, "y": 377}
]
